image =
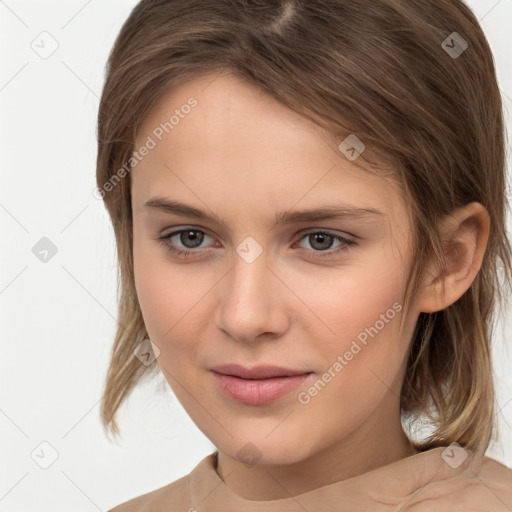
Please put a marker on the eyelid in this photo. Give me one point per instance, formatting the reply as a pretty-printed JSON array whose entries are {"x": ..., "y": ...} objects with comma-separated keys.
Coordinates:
[
  {"x": 327, "y": 231},
  {"x": 179, "y": 229},
  {"x": 345, "y": 242},
  {"x": 302, "y": 233}
]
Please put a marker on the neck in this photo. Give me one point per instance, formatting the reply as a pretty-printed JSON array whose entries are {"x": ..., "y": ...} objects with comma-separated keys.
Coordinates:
[{"x": 368, "y": 447}]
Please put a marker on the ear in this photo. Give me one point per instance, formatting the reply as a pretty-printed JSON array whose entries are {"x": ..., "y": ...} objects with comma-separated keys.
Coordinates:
[{"x": 464, "y": 234}]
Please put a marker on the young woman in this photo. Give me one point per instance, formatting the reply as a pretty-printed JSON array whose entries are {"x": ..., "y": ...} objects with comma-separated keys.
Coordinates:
[{"x": 309, "y": 201}]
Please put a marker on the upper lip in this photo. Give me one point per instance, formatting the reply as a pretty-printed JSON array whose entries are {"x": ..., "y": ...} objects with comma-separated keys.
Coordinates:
[{"x": 256, "y": 372}]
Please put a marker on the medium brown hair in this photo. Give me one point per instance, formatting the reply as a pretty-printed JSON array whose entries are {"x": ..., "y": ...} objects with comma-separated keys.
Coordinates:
[{"x": 378, "y": 69}]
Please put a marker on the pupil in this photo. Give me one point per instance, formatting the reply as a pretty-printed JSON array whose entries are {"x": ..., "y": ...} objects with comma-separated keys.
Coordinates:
[
  {"x": 322, "y": 237},
  {"x": 186, "y": 236}
]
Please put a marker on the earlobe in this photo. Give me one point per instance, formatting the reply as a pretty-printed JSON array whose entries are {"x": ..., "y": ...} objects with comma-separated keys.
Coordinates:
[{"x": 465, "y": 234}]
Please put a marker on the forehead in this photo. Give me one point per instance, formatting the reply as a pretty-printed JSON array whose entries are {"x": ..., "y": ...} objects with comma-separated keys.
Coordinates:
[{"x": 218, "y": 137}]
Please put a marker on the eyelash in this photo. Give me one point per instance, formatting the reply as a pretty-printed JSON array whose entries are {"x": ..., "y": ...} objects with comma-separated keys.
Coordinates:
[{"x": 170, "y": 246}]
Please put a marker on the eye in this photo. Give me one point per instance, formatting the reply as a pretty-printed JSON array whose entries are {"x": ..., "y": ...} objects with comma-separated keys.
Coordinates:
[
  {"x": 320, "y": 241},
  {"x": 188, "y": 240}
]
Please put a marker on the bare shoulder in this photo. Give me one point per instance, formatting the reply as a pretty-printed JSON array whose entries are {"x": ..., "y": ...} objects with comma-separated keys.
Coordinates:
[{"x": 173, "y": 496}]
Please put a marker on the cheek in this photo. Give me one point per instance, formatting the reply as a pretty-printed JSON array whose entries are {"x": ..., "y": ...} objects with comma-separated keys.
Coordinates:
[
  {"x": 346, "y": 301},
  {"x": 369, "y": 296},
  {"x": 361, "y": 312},
  {"x": 175, "y": 304},
  {"x": 164, "y": 301},
  {"x": 164, "y": 296},
  {"x": 362, "y": 362}
]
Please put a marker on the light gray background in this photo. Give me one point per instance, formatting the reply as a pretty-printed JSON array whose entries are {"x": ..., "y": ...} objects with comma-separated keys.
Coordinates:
[{"x": 59, "y": 316}]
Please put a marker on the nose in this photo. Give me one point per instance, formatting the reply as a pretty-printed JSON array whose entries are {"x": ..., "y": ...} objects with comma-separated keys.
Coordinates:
[{"x": 252, "y": 303}]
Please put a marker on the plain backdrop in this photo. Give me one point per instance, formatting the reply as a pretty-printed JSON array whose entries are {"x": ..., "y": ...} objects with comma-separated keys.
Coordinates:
[{"x": 58, "y": 316}]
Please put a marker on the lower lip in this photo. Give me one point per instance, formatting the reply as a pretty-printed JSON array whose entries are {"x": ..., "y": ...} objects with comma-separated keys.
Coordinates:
[{"x": 258, "y": 391}]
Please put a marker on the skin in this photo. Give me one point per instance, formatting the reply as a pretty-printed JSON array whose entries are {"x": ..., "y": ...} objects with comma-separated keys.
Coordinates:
[{"x": 245, "y": 157}]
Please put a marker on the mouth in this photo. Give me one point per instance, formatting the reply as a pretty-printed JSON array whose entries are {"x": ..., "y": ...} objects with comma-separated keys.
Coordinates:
[
  {"x": 257, "y": 372},
  {"x": 259, "y": 385}
]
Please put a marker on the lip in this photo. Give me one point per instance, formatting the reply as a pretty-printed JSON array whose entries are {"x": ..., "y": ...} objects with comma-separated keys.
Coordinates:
[
  {"x": 270, "y": 384},
  {"x": 257, "y": 372}
]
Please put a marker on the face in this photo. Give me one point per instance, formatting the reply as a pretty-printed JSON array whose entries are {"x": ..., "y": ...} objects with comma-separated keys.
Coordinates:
[{"x": 247, "y": 282}]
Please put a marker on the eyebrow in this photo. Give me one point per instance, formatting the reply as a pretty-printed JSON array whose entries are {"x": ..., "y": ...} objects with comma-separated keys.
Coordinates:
[{"x": 324, "y": 212}]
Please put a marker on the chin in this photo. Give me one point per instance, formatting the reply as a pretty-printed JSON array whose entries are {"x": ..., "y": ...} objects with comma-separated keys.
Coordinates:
[{"x": 265, "y": 451}]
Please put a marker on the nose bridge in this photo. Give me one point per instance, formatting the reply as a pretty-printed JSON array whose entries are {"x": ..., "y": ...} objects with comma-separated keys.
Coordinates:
[
  {"x": 248, "y": 300},
  {"x": 250, "y": 267}
]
